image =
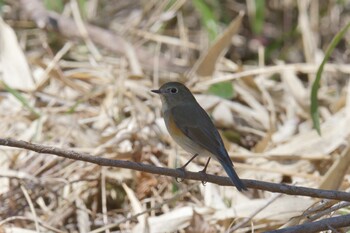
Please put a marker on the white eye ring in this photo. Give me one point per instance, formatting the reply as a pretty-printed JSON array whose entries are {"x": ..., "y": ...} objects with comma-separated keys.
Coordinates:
[{"x": 173, "y": 90}]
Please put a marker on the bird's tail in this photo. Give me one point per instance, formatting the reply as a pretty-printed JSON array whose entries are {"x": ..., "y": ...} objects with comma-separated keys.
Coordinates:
[{"x": 233, "y": 176}]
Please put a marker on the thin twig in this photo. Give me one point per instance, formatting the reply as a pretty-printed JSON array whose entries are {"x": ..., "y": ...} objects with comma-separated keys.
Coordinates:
[
  {"x": 223, "y": 181},
  {"x": 325, "y": 224},
  {"x": 249, "y": 218},
  {"x": 328, "y": 211}
]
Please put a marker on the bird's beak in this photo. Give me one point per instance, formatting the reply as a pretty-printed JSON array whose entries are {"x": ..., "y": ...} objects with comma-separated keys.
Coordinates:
[{"x": 156, "y": 91}]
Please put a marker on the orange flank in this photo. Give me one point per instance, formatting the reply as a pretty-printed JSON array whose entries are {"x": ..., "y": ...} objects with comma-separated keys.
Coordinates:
[{"x": 172, "y": 127}]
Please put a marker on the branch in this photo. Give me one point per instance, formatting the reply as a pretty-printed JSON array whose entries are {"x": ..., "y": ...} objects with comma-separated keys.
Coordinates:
[
  {"x": 322, "y": 225},
  {"x": 223, "y": 181}
]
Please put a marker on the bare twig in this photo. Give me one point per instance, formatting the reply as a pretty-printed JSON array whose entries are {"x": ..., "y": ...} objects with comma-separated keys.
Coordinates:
[
  {"x": 325, "y": 224},
  {"x": 328, "y": 211},
  {"x": 249, "y": 218},
  {"x": 224, "y": 181}
]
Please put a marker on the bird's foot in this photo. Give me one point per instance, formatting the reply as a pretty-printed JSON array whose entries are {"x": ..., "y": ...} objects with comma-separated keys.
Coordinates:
[
  {"x": 179, "y": 179},
  {"x": 204, "y": 177},
  {"x": 204, "y": 173}
]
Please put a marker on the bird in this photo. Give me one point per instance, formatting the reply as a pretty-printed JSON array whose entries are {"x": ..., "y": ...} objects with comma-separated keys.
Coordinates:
[{"x": 192, "y": 129}]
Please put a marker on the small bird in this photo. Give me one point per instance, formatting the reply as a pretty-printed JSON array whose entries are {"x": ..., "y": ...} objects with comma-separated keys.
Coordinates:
[{"x": 191, "y": 128}]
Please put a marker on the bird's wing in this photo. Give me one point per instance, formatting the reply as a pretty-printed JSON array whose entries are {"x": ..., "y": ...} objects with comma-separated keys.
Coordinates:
[{"x": 202, "y": 132}]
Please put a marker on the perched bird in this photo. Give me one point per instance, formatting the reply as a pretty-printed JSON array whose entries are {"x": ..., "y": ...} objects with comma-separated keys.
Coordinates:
[{"x": 191, "y": 128}]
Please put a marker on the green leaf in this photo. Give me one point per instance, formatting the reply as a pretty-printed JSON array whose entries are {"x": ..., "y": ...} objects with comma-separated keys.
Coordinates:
[
  {"x": 72, "y": 109},
  {"x": 20, "y": 97},
  {"x": 223, "y": 89},
  {"x": 56, "y": 5},
  {"x": 169, "y": 4},
  {"x": 258, "y": 20},
  {"x": 83, "y": 8},
  {"x": 175, "y": 187},
  {"x": 1, "y": 5},
  {"x": 232, "y": 136},
  {"x": 207, "y": 18},
  {"x": 315, "y": 86}
]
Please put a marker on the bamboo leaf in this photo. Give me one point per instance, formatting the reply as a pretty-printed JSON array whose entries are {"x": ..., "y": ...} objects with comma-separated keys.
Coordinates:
[{"x": 315, "y": 86}]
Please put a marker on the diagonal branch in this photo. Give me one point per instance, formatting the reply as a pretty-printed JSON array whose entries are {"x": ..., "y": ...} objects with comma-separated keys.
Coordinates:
[
  {"x": 318, "y": 226},
  {"x": 224, "y": 181}
]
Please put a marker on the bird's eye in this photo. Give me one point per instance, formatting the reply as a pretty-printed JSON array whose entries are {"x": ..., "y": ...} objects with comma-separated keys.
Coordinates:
[{"x": 173, "y": 90}]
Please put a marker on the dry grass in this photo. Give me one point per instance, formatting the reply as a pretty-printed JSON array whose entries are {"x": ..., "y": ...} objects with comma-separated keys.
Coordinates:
[{"x": 79, "y": 95}]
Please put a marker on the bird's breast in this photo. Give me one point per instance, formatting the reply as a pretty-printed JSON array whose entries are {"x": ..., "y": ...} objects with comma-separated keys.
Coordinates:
[{"x": 180, "y": 138}]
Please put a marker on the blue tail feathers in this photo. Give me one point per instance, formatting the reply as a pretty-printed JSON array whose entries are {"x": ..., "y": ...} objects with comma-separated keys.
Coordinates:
[{"x": 233, "y": 176}]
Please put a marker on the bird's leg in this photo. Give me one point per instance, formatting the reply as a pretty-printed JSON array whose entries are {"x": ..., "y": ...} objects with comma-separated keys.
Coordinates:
[
  {"x": 183, "y": 168},
  {"x": 204, "y": 171},
  {"x": 206, "y": 165},
  {"x": 185, "y": 165}
]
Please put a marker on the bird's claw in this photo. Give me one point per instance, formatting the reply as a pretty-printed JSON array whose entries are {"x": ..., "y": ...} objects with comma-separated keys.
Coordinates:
[
  {"x": 204, "y": 177},
  {"x": 178, "y": 179}
]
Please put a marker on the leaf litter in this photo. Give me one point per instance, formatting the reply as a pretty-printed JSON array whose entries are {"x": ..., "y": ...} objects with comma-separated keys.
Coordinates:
[{"x": 93, "y": 100}]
